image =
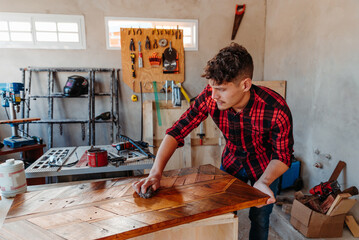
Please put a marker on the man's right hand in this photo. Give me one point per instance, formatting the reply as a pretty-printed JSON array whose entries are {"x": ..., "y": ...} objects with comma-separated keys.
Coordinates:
[
  {"x": 165, "y": 151},
  {"x": 143, "y": 184}
]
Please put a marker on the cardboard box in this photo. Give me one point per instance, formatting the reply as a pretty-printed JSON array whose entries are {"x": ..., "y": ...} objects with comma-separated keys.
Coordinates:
[{"x": 313, "y": 224}]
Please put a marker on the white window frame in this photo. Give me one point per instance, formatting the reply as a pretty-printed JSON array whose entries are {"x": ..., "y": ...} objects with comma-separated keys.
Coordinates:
[
  {"x": 32, "y": 18},
  {"x": 193, "y": 23}
]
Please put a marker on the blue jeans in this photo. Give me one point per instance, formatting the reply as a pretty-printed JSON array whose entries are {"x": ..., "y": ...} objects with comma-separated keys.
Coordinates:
[{"x": 259, "y": 216}]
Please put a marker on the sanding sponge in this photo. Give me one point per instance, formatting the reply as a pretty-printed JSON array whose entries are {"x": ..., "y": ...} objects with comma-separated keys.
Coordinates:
[{"x": 149, "y": 193}]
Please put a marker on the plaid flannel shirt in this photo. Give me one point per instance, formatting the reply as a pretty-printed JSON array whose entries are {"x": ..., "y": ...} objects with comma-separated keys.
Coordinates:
[{"x": 254, "y": 136}]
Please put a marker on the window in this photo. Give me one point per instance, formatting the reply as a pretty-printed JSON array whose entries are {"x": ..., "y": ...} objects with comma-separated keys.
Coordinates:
[
  {"x": 189, "y": 27},
  {"x": 45, "y": 31}
]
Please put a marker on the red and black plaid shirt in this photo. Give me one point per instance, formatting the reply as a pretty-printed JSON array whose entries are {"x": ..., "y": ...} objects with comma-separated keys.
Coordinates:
[{"x": 254, "y": 136}]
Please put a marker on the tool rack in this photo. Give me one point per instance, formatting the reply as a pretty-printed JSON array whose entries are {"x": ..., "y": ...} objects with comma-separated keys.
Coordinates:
[{"x": 90, "y": 121}]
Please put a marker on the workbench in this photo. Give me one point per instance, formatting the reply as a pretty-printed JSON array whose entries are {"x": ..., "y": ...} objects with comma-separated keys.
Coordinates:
[
  {"x": 40, "y": 167},
  {"x": 31, "y": 152},
  {"x": 192, "y": 203}
]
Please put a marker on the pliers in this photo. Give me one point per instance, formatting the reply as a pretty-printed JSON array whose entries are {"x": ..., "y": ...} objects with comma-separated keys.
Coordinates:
[
  {"x": 132, "y": 45},
  {"x": 155, "y": 45},
  {"x": 148, "y": 43},
  {"x": 139, "y": 31}
]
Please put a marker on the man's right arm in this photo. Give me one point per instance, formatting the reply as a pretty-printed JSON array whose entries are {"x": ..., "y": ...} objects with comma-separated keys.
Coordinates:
[
  {"x": 165, "y": 151},
  {"x": 174, "y": 138}
]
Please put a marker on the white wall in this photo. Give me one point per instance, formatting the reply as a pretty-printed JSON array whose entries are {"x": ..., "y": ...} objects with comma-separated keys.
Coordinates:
[
  {"x": 215, "y": 27},
  {"x": 314, "y": 46}
]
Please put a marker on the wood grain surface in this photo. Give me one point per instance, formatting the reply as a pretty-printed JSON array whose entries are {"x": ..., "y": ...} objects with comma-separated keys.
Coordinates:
[{"x": 112, "y": 210}]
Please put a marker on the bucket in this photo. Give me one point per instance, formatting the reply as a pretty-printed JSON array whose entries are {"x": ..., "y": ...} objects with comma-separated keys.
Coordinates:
[
  {"x": 12, "y": 178},
  {"x": 97, "y": 157}
]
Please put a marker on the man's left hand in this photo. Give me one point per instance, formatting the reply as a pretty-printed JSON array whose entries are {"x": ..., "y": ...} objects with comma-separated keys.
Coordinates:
[{"x": 265, "y": 189}]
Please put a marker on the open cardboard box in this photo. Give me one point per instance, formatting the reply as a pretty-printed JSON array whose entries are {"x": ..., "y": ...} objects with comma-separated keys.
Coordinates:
[{"x": 313, "y": 224}]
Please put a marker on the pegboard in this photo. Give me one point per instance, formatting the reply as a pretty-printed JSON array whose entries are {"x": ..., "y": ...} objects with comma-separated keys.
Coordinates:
[{"x": 147, "y": 74}]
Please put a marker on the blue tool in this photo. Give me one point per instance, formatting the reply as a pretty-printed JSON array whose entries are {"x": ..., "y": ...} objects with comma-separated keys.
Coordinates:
[{"x": 10, "y": 98}]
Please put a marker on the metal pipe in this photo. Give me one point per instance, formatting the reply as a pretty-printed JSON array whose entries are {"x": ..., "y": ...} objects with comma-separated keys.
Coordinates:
[
  {"x": 22, "y": 104},
  {"x": 93, "y": 109},
  {"x": 111, "y": 99},
  {"x": 49, "y": 111},
  {"x": 89, "y": 106},
  {"x": 28, "y": 103},
  {"x": 117, "y": 105},
  {"x": 39, "y": 69},
  {"x": 14, "y": 127}
]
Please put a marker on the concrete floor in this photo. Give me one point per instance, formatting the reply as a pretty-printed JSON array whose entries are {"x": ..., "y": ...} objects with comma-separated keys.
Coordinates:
[{"x": 280, "y": 226}]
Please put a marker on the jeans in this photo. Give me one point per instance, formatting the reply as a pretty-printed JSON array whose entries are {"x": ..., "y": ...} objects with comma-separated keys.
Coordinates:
[{"x": 259, "y": 216}]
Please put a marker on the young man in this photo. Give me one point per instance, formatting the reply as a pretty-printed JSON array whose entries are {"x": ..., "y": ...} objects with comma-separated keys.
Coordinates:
[{"x": 255, "y": 121}]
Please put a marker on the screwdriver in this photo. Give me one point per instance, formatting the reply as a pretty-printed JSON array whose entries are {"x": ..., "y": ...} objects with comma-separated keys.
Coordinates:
[{"x": 140, "y": 62}]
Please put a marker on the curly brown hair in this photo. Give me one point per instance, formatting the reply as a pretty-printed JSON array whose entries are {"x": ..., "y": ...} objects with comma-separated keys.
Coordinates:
[{"x": 230, "y": 64}]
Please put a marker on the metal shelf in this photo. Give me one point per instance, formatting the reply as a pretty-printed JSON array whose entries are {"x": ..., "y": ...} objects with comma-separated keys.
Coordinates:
[
  {"x": 60, "y": 121},
  {"x": 61, "y": 95},
  {"x": 51, "y": 95}
]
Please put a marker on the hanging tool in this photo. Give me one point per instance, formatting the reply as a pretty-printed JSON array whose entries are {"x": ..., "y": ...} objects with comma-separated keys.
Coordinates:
[
  {"x": 184, "y": 92},
  {"x": 166, "y": 88},
  {"x": 170, "y": 60},
  {"x": 139, "y": 31},
  {"x": 162, "y": 42},
  {"x": 133, "y": 56},
  {"x": 201, "y": 134},
  {"x": 140, "y": 61},
  {"x": 155, "y": 30},
  {"x": 131, "y": 30},
  {"x": 240, "y": 9},
  {"x": 133, "y": 61},
  {"x": 176, "y": 96},
  {"x": 155, "y": 60},
  {"x": 155, "y": 45},
  {"x": 157, "y": 104},
  {"x": 148, "y": 43},
  {"x": 133, "y": 71},
  {"x": 132, "y": 45}
]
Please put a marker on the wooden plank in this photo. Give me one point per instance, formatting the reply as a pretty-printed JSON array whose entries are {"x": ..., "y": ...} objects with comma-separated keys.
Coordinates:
[
  {"x": 338, "y": 169},
  {"x": 343, "y": 207},
  {"x": 224, "y": 226},
  {"x": 22, "y": 120},
  {"x": 278, "y": 86},
  {"x": 352, "y": 225},
  {"x": 337, "y": 200}
]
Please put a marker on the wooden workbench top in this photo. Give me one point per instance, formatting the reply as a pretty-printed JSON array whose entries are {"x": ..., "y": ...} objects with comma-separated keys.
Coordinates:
[{"x": 112, "y": 210}]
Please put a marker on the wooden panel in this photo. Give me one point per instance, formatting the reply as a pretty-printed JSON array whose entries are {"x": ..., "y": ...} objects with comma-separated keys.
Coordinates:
[
  {"x": 112, "y": 210},
  {"x": 352, "y": 225},
  {"x": 148, "y": 74},
  {"x": 278, "y": 86},
  {"x": 224, "y": 227},
  {"x": 154, "y": 134}
]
